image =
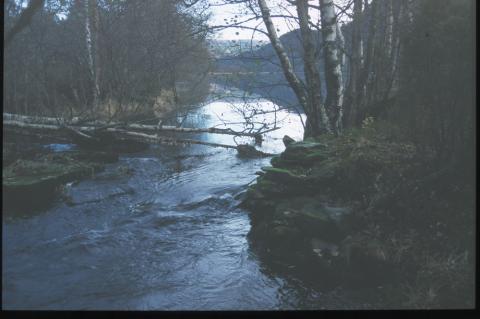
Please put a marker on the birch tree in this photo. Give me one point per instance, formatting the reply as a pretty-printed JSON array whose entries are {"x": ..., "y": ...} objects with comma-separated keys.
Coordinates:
[
  {"x": 287, "y": 67},
  {"x": 356, "y": 61},
  {"x": 90, "y": 54},
  {"x": 318, "y": 120},
  {"x": 100, "y": 57},
  {"x": 373, "y": 65},
  {"x": 333, "y": 71}
]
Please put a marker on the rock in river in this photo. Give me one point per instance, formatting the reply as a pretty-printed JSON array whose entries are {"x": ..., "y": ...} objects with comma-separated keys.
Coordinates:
[{"x": 31, "y": 184}]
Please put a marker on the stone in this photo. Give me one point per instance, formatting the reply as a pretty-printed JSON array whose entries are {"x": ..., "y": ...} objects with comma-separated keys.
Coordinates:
[
  {"x": 312, "y": 217},
  {"x": 287, "y": 140},
  {"x": 304, "y": 152},
  {"x": 249, "y": 151},
  {"x": 283, "y": 175},
  {"x": 324, "y": 172},
  {"x": 38, "y": 180},
  {"x": 269, "y": 187},
  {"x": 322, "y": 248}
]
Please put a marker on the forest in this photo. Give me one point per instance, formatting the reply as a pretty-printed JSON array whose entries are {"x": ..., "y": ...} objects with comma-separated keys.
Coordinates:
[{"x": 239, "y": 155}]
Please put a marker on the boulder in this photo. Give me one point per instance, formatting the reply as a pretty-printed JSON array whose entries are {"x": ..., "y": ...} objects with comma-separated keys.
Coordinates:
[
  {"x": 313, "y": 217},
  {"x": 283, "y": 175},
  {"x": 302, "y": 153},
  {"x": 265, "y": 187},
  {"x": 31, "y": 184},
  {"x": 366, "y": 260},
  {"x": 287, "y": 140},
  {"x": 249, "y": 151}
]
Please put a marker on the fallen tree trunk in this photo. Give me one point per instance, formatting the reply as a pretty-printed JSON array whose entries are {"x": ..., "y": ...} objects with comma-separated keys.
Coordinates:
[
  {"x": 243, "y": 149},
  {"x": 88, "y": 135},
  {"x": 38, "y": 119},
  {"x": 49, "y": 127},
  {"x": 163, "y": 139},
  {"x": 16, "y": 119},
  {"x": 153, "y": 128}
]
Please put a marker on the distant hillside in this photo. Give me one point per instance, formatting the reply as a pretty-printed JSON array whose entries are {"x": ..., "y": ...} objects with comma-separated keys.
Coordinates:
[
  {"x": 257, "y": 69},
  {"x": 223, "y": 48}
]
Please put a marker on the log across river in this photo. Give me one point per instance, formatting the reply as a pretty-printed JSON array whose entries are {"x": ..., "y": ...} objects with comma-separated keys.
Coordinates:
[
  {"x": 159, "y": 230},
  {"x": 87, "y": 131}
]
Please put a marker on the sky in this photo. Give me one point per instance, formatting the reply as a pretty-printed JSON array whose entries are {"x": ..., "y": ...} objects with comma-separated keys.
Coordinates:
[
  {"x": 219, "y": 13},
  {"x": 239, "y": 12},
  {"x": 222, "y": 12}
]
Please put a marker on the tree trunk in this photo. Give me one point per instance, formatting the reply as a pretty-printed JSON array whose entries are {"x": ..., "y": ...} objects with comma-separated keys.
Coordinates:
[
  {"x": 317, "y": 118},
  {"x": 341, "y": 53},
  {"x": 356, "y": 64},
  {"x": 287, "y": 67},
  {"x": 389, "y": 32},
  {"x": 91, "y": 63},
  {"x": 366, "y": 76},
  {"x": 88, "y": 136},
  {"x": 333, "y": 72},
  {"x": 37, "y": 121},
  {"x": 96, "y": 48},
  {"x": 24, "y": 20}
]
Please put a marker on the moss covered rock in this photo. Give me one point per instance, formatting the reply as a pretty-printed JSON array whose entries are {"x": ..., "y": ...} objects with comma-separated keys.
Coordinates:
[
  {"x": 31, "y": 184},
  {"x": 306, "y": 200},
  {"x": 302, "y": 153},
  {"x": 312, "y": 216}
]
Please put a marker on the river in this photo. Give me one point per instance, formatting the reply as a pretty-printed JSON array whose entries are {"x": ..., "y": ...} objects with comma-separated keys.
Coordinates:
[{"x": 165, "y": 234}]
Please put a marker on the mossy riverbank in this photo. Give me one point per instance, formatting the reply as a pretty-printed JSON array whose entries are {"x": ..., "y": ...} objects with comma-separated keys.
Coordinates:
[
  {"x": 34, "y": 173},
  {"x": 32, "y": 184},
  {"x": 364, "y": 210}
]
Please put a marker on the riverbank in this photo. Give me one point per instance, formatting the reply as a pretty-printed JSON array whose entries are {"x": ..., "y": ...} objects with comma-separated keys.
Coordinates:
[
  {"x": 367, "y": 211},
  {"x": 33, "y": 184},
  {"x": 34, "y": 174}
]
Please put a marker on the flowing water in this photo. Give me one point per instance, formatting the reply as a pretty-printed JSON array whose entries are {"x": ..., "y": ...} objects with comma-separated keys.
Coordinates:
[{"x": 157, "y": 230}]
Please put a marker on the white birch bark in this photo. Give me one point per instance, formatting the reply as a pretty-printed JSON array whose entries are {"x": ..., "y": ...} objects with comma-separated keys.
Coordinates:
[
  {"x": 410, "y": 10},
  {"x": 91, "y": 64},
  {"x": 18, "y": 119},
  {"x": 333, "y": 72},
  {"x": 389, "y": 29},
  {"x": 396, "y": 18},
  {"x": 318, "y": 117},
  {"x": 96, "y": 44},
  {"x": 358, "y": 18},
  {"x": 84, "y": 133},
  {"x": 287, "y": 67},
  {"x": 341, "y": 53}
]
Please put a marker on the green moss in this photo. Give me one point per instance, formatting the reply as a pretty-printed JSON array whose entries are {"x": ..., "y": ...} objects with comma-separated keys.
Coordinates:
[
  {"x": 275, "y": 161},
  {"x": 25, "y": 173},
  {"x": 410, "y": 222},
  {"x": 304, "y": 206},
  {"x": 29, "y": 184},
  {"x": 299, "y": 150},
  {"x": 294, "y": 173},
  {"x": 317, "y": 155},
  {"x": 265, "y": 186}
]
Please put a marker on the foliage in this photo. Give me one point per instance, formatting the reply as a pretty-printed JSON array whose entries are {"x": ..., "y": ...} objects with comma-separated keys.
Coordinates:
[
  {"x": 421, "y": 216},
  {"x": 143, "y": 47},
  {"x": 436, "y": 99}
]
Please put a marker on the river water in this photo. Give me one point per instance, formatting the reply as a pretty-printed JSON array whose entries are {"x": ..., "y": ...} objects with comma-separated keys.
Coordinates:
[{"x": 159, "y": 230}]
